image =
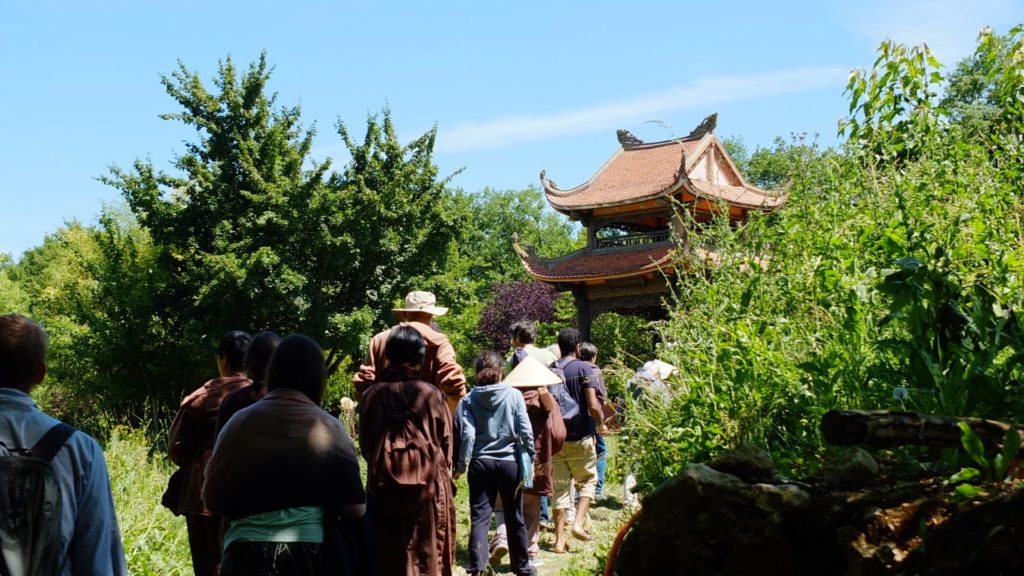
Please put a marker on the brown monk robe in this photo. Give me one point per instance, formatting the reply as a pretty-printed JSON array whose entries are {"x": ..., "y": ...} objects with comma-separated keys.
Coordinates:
[
  {"x": 423, "y": 541},
  {"x": 439, "y": 366}
]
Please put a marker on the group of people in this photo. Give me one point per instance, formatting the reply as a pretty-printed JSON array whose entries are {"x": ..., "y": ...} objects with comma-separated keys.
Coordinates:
[{"x": 269, "y": 482}]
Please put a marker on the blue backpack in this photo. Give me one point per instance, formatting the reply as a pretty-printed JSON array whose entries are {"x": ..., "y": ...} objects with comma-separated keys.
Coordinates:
[{"x": 30, "y": 507}]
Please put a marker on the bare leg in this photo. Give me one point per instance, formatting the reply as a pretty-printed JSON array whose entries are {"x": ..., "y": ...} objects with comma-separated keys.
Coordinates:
[
  {"x": 560, "y": 544},
  {"x": 582, "y": 508},
  {"x": 531, "y": 515}
]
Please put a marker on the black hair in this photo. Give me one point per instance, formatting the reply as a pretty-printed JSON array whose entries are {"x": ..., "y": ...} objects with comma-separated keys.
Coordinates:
[
  {"x": 257, "y": 355},
  {"x": 298, "y": 363},
  {"x": 405, "y": 346},
  {"x": 22, "y": 351},
  {"x": 524, "y": 331},
  {"x": 568, "y": 339},
  {"x": 232, "y": 349},
  {"x": 488, "y": 368},
  {"x": 587, "y": 351}
]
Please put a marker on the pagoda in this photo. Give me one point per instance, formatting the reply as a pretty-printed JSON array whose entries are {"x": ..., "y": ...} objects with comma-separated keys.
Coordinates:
[{"x": 630, "y": 208}]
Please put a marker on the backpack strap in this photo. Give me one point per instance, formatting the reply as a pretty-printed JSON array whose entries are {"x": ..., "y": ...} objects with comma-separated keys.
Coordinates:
[{"x": 51, "y": 442}]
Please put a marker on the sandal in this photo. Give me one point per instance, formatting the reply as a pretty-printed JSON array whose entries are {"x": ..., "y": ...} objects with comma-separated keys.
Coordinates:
[{"x": 565, "y": 550}]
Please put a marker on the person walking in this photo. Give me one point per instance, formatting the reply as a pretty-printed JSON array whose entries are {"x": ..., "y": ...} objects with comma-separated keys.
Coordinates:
[
  {"x": 576, "y": 463},
  {"x": 192, "y": 436},
  {"x": 588, "y": 354},
  {"x": 406, "y": 438},
  {"x": 285, "y": 474},
  {"x": 86, "y": 540},
  {"x": 438, "y": 367},
  {"x": 497, "y": 449},
  {"x": 257, "y": 360}
]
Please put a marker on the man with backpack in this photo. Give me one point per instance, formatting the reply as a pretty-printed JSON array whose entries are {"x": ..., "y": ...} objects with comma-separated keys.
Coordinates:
[
  {"x": 577, "y": 461},
  {"x": 55, "y": 501}
]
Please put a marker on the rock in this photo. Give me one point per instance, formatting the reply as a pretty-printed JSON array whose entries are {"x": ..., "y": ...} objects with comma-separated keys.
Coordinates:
[
  {"x": 704, "y": 521},
  {"x": 701, "y": 477},
  {"x": 853, "y": 468},
  {"x": 779, "y": 497},
  {"x": 746, "y": 461}
]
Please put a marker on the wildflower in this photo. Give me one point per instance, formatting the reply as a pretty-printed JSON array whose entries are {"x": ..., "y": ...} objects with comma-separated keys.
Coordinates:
[{"x": 900, "y": 393}]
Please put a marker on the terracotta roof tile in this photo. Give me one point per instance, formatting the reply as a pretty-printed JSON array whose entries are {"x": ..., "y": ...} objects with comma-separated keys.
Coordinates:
[
  {"x": 606, "y": 263},
  {"x": 632, "y": 174},
  {"x": 647, "y": 171},
  {"x": 738, "y": 195}
]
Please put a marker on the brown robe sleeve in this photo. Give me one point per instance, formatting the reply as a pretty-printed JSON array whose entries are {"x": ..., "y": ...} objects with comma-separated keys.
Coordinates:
[
  {"x": 372, "y": 363},
  {"x": 450, "y": 378}
]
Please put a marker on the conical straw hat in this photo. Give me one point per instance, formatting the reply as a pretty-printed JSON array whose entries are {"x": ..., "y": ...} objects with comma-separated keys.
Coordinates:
[{"x": 530, "y": 373}]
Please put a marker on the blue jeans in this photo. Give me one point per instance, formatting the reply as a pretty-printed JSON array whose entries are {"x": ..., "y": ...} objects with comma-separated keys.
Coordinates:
[
  {"x": 545, "y": 512},
  {"x": 602, "y": 464}
]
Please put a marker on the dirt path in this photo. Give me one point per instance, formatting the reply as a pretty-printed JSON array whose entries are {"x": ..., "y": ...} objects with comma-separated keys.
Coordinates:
[{"x": 585, "y": 557}]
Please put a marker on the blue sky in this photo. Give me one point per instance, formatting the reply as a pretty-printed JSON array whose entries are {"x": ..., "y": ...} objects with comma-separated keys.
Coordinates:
[{"x": 513, "y": 87}]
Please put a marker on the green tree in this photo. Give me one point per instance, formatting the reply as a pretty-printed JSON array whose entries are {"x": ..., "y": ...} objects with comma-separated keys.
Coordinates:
[
  {"x": 975, "y": 90},
  {"x": 95, "y": 289},
  {"x": 256, "y": 234},
  {"x": 12, "y": 298},
  {"x": 230, "y": 223},
  {"x": 395, "y": 226},
  {"x": 486, "y": 256},
  {"x": 768, "y": 168},
  {"x": 985, "y": 96}
]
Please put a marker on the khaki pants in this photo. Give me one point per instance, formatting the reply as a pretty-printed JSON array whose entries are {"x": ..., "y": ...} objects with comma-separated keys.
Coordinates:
[{"x": 575, "y": 463}]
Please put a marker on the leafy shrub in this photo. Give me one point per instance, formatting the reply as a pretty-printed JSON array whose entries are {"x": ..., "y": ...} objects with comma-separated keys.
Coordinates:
[
  {"x": 512, "y": 302},
  {"x": 891, "y": 279}
]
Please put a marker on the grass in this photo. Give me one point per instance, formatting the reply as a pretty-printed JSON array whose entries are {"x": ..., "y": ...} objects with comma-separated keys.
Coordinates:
[{"x": 156, "y": 543}]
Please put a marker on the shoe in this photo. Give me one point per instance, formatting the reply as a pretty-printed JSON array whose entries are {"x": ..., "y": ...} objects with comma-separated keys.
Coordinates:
[
  {"x": 570, "y": 515},
  {"x": 498, "y": 552},
  {"x": 547, "y": 526},
  {"x": 600, "y": 497}
]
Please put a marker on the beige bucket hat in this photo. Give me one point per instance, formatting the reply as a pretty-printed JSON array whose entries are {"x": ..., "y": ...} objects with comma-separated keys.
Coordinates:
[
  {"x": 530, "y": 373},
  {"x": 419, "y": 301}
]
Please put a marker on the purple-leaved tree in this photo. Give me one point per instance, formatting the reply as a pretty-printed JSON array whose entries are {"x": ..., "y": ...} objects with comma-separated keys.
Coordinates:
[{"x": 512, "y": 302}]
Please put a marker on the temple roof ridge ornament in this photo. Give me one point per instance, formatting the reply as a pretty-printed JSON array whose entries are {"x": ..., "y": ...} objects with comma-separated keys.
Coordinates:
[
  {"x": 706, "y": 125},
  {"x": 627, "y": 139}
]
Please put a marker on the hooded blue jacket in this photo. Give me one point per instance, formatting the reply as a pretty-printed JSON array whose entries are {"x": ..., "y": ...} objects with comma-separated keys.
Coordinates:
[{"x": 494, "y": 422}]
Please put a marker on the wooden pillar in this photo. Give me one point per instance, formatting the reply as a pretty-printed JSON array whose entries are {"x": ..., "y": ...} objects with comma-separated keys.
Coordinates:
[{"x": 583, "y": 317}]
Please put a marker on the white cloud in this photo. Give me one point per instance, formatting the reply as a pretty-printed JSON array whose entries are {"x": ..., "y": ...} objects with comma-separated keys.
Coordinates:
[
  {"x": 949, "y": 27},
  {"x": 705, "y": 93}
]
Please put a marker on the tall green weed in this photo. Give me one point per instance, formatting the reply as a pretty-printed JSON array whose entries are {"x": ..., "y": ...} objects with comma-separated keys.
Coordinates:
[
  {"x": 890, "y": 279},
  {"x": 155, "y": 541}
]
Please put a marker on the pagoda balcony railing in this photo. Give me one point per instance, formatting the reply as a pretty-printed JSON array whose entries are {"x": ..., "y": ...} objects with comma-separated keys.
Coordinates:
[{"x": 634, "y": 239}]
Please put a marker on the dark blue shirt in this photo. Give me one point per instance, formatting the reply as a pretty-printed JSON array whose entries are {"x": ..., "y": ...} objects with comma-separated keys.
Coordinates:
[{"x": 578, "y": 377}]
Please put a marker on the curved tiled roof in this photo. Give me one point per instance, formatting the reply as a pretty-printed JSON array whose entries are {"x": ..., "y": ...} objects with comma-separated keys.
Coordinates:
[
  {"x": 634, "y": 173},
  {"x": 638, "y": 172},
  {"x": 747, "y": 197},
  {"x": 592, "y": 264}
]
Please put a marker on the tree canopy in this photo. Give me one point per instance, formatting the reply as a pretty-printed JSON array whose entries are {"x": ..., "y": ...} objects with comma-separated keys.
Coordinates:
[{"x": 256, "y": 234}]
